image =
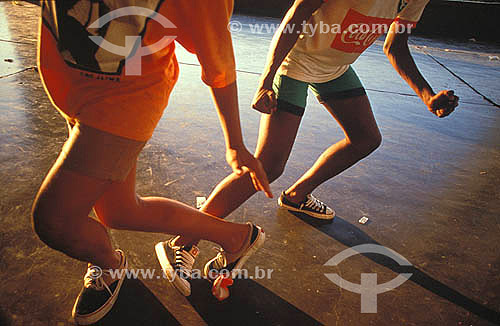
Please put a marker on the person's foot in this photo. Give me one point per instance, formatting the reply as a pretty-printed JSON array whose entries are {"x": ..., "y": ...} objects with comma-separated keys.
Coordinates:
[
  {"x": 224, "y": 267},
  {"x": 310, "y": 206},
  {"x": 97, "y": 297},
  {"x": 177, "y": 263}
]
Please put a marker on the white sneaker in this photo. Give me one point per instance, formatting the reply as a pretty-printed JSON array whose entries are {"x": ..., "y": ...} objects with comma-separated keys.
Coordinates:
[{"x": 177, "y": 263}]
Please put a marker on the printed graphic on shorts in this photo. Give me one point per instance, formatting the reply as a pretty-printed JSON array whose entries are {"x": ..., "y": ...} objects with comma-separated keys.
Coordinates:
[
  {"x": 358, "y": 32},
  {"x": 70, "y": 22}
]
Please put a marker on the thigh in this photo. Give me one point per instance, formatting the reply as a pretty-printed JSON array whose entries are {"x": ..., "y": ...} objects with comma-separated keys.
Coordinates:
[
  {"x": 89, "y": 164},
  {"x": 355, "y": 116},
  {"x": 67, "y": 194},
  {"x": 277, "y": 133},
  {"x": 278, "y": 130},
  {"x": 118, "y": 201},
  {"x": 345, "y": 98}
]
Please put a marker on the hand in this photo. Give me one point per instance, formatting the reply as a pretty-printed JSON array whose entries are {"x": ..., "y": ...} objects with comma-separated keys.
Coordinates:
[
  {"x": 241, "y": 161},
  {"x": 265, "y": 100},
  {"x": 443, "y": 103}
]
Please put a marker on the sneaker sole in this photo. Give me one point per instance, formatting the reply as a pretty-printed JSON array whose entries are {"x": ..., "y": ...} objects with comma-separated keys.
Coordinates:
[
  {"x": 250, "y": 251},
  {"x": 312, "y": 214},
  {"x": 94, "y": 317},
  {"x": 168, "y": 269}
]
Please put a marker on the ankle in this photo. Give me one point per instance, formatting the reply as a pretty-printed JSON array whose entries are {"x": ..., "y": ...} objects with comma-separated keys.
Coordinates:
[
  {"x": 295, "y": 197},
  {"x": 239, "y": 241},
  {"x": 112, "y": 262},
  {"x": 183, "y": 241},
  {"x": 115, "y": 264}
]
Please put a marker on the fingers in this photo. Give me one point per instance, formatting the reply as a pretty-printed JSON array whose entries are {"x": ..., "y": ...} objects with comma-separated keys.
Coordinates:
[
  {"x": 450, "y": 105},
  {"x": 235, "y": 166},
  {"x": 445, "y": 103},
  {"x": 452, "y": 99},
  {"x": 259, "y": 180},
  {"x": 273, "y": 101},
  {"x": 443, "y": 113},
  {"x": 260, "y": 109},
  {"x": 260, "y": 106},
  {"x": 254, "y": 179},
  {"x": 265, "y": 102},
  {"x": 257, "y": 175}
]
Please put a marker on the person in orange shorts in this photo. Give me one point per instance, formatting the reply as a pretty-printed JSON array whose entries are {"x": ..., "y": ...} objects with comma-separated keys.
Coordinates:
[{"x": 109, "y": 67}]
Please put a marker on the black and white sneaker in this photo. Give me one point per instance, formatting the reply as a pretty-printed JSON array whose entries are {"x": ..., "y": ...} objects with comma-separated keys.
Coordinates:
[
  {"x": 177, "y": 263},
  {"x": 97, "y": 298},
  {"x": 310, "y": 206},
  {"x": 221, "y": 272}
]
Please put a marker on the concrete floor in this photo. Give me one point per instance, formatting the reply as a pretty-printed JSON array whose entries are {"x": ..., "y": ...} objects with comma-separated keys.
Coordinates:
[{"x": 431, "y": 193}]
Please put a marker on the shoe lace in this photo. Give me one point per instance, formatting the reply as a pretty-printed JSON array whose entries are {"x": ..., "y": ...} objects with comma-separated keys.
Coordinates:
[
  {"x": 93, "y": 279},
  {"x": 315, "y": 204},
  {"x": 184, "y": 261},
  {"x": 220, "y": 260}
]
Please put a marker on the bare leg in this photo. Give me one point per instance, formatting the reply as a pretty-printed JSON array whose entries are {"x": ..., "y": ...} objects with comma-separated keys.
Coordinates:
[
  {"x": 362, "y": 137},
  {"x": 60, "y": 216},
  {"x": 120, "y": 208},
  {"x": 277, "y": 134}
]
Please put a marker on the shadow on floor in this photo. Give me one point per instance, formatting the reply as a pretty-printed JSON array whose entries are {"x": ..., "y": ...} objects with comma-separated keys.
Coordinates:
[
  {"x": 137, "y": 305},
  {"x": 351, "y": 236},
  {"x": 249, "y": 304},
  {"x": 4, "y": 319}
]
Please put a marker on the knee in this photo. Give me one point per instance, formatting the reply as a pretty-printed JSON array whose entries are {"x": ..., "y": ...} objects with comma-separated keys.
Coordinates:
[
  {"x": 274, "y": 169},
  {"x": 40, "y": 221},
  {"x": 111, "y": 219},
  {"x": 368, "y": 144},
  {"x": 116, "y": 216},
  {"x": 47, "y": 226}
]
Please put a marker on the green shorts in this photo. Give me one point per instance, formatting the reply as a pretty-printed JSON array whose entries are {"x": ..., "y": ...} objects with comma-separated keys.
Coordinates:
[{"x": 292, "y": 94}]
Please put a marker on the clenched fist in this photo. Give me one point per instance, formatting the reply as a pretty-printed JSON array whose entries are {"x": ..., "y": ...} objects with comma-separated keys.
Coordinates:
[{"x": 443, "y": 103}]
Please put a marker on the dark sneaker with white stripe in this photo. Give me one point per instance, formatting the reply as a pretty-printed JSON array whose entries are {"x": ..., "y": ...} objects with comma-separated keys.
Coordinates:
[
  {"x": 97, "y": 298},
  {"x": 310, "y": 206},
  {"x": 177, "y": 263},
  {"x": 224, "y": 267}
]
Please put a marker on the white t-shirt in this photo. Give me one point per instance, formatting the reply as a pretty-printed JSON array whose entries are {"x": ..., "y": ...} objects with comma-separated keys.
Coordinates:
[{"x": 343, "y": 30}]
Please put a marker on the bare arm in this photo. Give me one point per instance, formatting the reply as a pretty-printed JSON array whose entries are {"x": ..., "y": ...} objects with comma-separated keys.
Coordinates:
[
  {"x": 302, "y": 10},
  {"x": 398, "y": 53},
  {"x": 237, "y": 155},
  {"x": 202, "y": 27}
]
